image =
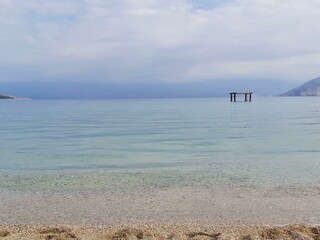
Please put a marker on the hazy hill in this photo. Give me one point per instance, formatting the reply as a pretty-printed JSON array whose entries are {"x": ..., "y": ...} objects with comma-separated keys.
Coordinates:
[
  {"x": 310, "y": 88},
  {"x": 92, "y": 90}
]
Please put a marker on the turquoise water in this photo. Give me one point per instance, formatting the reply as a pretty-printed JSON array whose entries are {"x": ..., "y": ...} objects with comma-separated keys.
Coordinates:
[{"x": 273, "y": 139}]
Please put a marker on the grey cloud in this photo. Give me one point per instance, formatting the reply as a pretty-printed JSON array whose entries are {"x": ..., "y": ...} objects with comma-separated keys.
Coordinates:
[{"x": 160, "y": 40}]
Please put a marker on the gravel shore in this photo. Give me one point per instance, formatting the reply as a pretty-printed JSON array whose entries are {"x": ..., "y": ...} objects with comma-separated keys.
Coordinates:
[{"x": 157, "y": 232}]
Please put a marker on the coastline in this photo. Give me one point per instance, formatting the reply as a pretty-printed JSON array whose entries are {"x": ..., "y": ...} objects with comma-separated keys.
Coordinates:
[
  {"x": 157, "y": 232},
  {"x": 221, "y": 208},
  {"x": 153, "y": 204}
]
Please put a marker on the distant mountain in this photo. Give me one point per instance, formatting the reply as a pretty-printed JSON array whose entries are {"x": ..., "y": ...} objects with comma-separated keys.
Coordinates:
[
  {"x": 311, "y": 88},
  {"x": 5, "y": 97},
  {"x": 95, "y": 90}
]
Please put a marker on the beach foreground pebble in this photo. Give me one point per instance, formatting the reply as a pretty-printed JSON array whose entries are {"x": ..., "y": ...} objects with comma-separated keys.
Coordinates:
[{"x": 297, "y": 232}]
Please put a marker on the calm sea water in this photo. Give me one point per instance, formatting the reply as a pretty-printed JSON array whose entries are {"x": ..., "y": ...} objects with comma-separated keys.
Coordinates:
[{"x": 270, "y": 139}]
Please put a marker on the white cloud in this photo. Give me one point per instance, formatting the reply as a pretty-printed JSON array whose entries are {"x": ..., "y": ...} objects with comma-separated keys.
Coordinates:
[
  {"x": 281, "y": 68},
  {"x": 161, "y": 40}
]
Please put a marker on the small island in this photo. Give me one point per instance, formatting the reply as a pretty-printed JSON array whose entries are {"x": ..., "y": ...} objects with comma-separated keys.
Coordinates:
[{"x": 6, "y": 97}]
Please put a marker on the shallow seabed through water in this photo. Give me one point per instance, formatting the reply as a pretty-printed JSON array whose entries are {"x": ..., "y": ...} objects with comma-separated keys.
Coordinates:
[{"x": 189, "y": 160}]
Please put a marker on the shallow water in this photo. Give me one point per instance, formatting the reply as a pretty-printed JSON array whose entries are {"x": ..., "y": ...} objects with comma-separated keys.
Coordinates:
[{"x": 183, "y": 142}]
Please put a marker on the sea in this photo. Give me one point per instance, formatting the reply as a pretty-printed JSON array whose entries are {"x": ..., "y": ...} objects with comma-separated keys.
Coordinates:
[{"x": 90, "y": 144}]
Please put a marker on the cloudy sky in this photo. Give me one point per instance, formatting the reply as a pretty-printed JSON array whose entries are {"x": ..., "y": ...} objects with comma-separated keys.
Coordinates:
[{"x": 159, "y": 40}]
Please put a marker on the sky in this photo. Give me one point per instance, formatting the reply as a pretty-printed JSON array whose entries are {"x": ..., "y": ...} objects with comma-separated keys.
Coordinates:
[{"x": 159, "y": 41}]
